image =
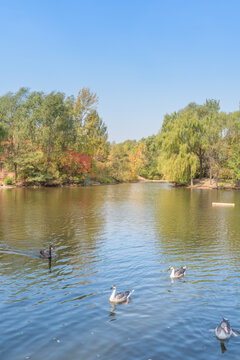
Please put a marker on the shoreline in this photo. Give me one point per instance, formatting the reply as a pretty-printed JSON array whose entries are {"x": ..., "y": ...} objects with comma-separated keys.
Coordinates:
[
  {"x": 204, "y": 183},
  {"x": 213, "y": 185},
  {"x": 197, "y": 184}
]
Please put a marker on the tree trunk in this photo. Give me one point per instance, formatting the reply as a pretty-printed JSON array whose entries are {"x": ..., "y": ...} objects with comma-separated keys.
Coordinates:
[
  {"x": 217, "y": 178},
  {"x": 48, "y": 150},
  {"x": 200, "y": 162},
  {"x": 15, "y": 172},
  {"x": 191, "y": 176},
  {"x": 210, "y": 172}
]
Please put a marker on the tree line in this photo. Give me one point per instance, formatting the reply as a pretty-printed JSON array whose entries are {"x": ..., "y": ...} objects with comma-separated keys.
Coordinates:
[{"x": 54, "y": 139}]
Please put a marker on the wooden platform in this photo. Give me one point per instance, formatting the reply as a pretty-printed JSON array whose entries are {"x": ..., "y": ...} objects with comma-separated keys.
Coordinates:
[{"x": 222, "y": 204}]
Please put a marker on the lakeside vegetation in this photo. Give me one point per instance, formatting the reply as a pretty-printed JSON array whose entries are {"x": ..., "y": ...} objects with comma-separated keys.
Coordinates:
[{"x": 54, "y": 139}]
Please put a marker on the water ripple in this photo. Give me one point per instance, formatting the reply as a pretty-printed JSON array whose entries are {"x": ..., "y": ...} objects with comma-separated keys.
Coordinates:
[{"x": 126, "y": 235}]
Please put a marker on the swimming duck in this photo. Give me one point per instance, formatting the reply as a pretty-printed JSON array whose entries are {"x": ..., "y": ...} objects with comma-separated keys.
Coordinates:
[
  {"x": 179, "y": 273},
  {"x": 223, "y": 331},
  {"x": 120, "y": 297},
  {"x": 46, "y": 254}
]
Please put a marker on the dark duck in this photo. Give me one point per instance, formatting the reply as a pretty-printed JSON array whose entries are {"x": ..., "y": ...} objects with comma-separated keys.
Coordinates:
[{"x": 46, "y": 254}]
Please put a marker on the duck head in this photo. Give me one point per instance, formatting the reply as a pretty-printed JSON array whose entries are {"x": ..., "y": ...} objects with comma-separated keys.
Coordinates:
[{"x": 225, "y": 325}]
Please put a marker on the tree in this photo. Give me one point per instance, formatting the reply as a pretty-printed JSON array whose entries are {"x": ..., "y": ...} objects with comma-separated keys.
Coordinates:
[
  {"x": 75, "y": 166},
  {"x": 12, "y": 120},
  {"x": 37, "y": 127},
  {"x": 233, "y": 138},
  {"x": 53, "y": 121},
  {"x": 137, "y": 160},
  {"x": 208, "y": 110},
  {"x": 184, "y": 137},
  {"x": 179, "y": 145},
  {"x": 152, "y": 149},
  {"x": 119, "y": 162},
  {"x": 90, "y": 131},
  {"x": 214, "y": 144}
]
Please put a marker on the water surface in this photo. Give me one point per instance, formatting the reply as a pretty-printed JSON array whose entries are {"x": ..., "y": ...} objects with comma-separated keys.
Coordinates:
[{"x": 126, "y": 235}]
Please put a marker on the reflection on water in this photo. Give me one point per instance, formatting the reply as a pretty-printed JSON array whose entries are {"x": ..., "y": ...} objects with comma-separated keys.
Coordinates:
[
  {"x": 50, "y": 264},
  {"x": 114, "y": 308},
  {"x": 113, "y": 313},
  {"x": 129, "y": 235},
  {"x": 223, "y": 347}
]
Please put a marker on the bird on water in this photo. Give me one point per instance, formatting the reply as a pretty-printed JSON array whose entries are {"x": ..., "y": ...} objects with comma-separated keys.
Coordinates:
[
  {"x": 46, "y": 254},
  {"x": 120, "y": 297},
  {"x": 224, "y": 331},
  {"x": 177, "y": 274}
]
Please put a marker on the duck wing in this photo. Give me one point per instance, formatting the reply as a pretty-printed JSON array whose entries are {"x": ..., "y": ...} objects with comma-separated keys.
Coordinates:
[
  {"x": 44, "y": 253},
  {"x": 123, "y": 295},
  {"x": 180, "y": 272}
]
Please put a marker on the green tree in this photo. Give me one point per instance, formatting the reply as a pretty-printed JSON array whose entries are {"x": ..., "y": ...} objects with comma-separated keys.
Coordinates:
[
  {"x": 152, "y": 148},
  {"x": 179, "y": 145},
  {"x": 12, "y": 121},
  {"x": 183, "y": 139},
  {"x": 90, "y": 131},
  {"x": 53, "y": 119},
  {"x": 209, "y": 110},
  {"x": 233, "y": 138},
  {"x": 119, "y": 161},
  {"x": 215, "y": 145}
]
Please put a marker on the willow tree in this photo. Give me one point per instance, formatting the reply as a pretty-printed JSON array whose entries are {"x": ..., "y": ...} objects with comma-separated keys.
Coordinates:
[
  {"x": 179, "y": 143},
  {"x": 209, "y": 110},
  {"x": 185, "y": 139}
]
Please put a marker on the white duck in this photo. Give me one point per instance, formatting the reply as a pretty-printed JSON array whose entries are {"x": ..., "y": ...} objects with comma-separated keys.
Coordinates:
[
  {"x": 179, "y": 273},
  {"x": 223, "y": 331},
  {"x": 120, "y": 297}
]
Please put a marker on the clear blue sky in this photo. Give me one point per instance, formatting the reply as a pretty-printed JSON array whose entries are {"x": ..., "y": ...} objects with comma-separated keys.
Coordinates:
[{"x": 143, "y": 58}]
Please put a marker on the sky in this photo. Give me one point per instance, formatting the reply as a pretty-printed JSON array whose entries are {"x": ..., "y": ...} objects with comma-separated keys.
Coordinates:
[{"x": 143, "y": 58}]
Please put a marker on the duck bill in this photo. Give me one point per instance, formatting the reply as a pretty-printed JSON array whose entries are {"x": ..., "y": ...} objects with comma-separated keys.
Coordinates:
[{"x": 226, "y": 330}]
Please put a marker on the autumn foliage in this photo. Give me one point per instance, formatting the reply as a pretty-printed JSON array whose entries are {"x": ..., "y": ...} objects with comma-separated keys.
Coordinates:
[
  {"x": 54, "y": 139},
  {"x": 76, "y": 164}
]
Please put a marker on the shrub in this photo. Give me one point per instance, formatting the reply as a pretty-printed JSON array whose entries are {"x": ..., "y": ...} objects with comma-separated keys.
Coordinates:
[
  {"x": 41, "y": 178},
  {"x": 9, "y": 181},
  {"x": 225, "y": 173}
]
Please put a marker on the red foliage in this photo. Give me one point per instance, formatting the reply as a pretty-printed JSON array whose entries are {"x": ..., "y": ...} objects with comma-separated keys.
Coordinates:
[
  {"x": 7, "y": 149},
  {"x": 77, "y": 163}
]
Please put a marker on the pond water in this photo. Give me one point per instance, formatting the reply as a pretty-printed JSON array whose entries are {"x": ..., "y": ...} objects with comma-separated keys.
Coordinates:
[{"x": 126, "y": 235}]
